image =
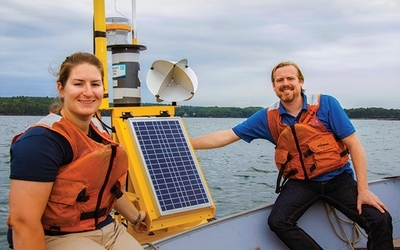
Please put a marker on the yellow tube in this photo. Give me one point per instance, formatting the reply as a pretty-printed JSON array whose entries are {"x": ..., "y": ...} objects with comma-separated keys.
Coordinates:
[{"x": 100, "y": 44}]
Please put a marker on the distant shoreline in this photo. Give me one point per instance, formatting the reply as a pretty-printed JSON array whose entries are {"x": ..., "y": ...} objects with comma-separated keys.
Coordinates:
[
  {"x": 358, "y": 118},
  {"x": 40, "y": 106}
]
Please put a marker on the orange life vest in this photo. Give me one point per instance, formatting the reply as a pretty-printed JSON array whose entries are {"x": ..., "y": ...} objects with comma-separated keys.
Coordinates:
[
  {"x": 85, "y": 191},
  {"x": 306, "y": 149}
]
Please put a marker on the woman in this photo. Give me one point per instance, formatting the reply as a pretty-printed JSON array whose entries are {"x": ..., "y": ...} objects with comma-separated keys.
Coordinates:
[{"x": 67, "y": 174}]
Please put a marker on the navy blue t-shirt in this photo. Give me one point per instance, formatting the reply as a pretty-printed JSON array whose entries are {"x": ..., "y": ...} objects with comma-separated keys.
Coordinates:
[{"x": 38, "y": 154}]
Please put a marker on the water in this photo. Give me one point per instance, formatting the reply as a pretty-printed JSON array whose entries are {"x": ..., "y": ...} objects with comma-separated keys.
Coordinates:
[{"x": 240, "y": 176}]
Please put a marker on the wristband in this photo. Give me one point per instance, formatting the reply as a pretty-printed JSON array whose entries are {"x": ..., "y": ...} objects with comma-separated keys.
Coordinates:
[{"x": 137, "y": 219}]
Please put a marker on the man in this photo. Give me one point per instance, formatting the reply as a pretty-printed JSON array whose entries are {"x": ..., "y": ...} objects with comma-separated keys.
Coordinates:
[{"x": 313, "y": 137}]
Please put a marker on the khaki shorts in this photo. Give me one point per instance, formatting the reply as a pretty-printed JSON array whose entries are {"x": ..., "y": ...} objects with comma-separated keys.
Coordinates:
[{"x": 111, "y": 237}]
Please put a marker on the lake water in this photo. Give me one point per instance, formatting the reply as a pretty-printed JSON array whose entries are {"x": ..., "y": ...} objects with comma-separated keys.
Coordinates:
[{"x": 241, "y": 175}]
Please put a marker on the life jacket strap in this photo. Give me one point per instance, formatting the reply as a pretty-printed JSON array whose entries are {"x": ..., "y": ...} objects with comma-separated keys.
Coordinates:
[
  {"x": 93, "y": 214},
  {"x": 307, "y": 153},
  {"x": 102, "y": 189},
  {"x": 116, "y": 191},
  {"x": 344, "y": 152},
  {"x": 82, "y": 196},
  {"x": 56, "y": 230},
  {"x": 281, "y": 170},
  {"x": 53, "y": 230},
  {"x": 296, "y": 141},
  {"x": 312, "y": 110}
]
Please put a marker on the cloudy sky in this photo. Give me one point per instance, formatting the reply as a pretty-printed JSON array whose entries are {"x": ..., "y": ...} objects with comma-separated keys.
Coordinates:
[{"x": 347, "y": 48}]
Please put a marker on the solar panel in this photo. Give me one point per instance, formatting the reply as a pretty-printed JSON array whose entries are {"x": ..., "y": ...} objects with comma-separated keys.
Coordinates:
[{"x": 170, "y": 164}]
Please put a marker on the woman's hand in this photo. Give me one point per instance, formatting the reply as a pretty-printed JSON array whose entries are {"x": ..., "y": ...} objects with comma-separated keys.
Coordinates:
[
  {"x": 139, "y": 226},
  {"x": 131, "y": 214}
]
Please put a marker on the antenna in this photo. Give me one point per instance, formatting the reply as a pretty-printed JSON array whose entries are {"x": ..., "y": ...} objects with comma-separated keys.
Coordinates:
[{"x": 171, "y": 81}]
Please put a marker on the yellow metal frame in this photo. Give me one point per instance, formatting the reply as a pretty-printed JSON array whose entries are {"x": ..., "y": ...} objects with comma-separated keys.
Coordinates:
[{"x": 139, "y": 189}]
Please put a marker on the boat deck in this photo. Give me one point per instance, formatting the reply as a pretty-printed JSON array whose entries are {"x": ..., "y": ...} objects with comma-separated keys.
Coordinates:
[
  {"x": 395, "y": 241},
  {"x": 248, "y": 230}
]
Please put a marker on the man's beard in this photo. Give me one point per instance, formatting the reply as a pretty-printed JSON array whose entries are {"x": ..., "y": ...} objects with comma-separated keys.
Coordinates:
[{"x": 288, "y": 98}]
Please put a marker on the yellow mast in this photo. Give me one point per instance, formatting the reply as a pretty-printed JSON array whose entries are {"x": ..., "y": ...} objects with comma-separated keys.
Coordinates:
[{"x": 100, "y": 44}]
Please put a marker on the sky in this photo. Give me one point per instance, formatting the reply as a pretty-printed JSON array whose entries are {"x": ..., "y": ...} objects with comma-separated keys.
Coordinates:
[{"x": 346, "y": 48}]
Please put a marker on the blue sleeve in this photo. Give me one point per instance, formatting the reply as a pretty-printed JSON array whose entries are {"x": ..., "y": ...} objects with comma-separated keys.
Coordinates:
[
  {"x": 38, "y": 154},
  {"x": 255, "y": 127},
  {"x": 333, "y": 116}
]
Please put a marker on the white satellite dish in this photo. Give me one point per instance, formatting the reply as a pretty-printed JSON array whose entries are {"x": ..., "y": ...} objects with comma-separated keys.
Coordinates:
[{"x": 171, "y": 81}]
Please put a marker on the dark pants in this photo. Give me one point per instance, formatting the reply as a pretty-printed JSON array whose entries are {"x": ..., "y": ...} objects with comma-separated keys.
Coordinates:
[{"x": 340, "y": 192}]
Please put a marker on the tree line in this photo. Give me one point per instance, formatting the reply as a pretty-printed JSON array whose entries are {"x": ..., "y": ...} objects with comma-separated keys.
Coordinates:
[{"x": 40, "y": 106}]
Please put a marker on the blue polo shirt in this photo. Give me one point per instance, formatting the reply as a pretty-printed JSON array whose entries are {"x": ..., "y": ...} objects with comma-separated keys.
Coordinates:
[{"x": 330, "y": 113}]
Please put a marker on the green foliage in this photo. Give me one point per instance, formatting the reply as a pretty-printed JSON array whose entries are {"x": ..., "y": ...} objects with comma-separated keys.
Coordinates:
[
  {"x": 232, "y": 112},
  {"x": 40, "y": 106},
  {"x": 24, "y": 105},
  {"x": 374, "y": 113}
]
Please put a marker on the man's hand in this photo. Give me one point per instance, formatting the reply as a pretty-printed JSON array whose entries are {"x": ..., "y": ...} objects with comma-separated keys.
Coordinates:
[{"x": 369, "y": 198}]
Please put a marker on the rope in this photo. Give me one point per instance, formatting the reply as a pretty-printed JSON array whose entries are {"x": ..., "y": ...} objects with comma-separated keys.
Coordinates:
[{"x": 357, "y": 232}]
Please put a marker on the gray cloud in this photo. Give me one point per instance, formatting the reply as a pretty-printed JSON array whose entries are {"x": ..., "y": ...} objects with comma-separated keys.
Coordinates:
[{"x": 350, "y": 49}]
